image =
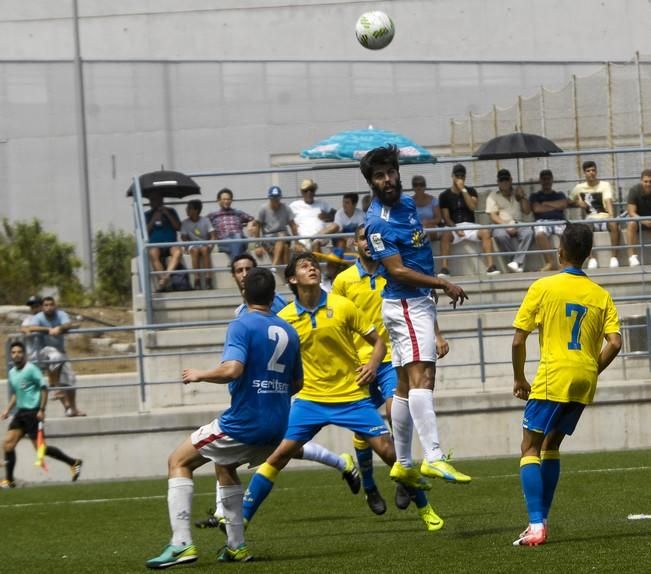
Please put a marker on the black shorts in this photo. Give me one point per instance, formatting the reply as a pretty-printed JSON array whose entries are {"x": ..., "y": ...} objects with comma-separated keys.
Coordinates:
[{"x": 26, "y": 421}]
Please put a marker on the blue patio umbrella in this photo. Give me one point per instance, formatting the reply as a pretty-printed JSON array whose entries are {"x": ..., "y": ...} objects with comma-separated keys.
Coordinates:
[{"x": 354, "y": 144}]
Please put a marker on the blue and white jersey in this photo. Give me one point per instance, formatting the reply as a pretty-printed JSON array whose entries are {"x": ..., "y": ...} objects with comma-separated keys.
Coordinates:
[
  {"x": 268, "y": 347},
  {"x": 277, "y": 304},
  {"x": 397, "y": 230}
]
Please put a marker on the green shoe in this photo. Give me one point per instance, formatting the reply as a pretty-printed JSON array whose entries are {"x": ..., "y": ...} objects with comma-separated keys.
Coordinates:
[
  {"x": 408, "y": 477},
  {"x": 433, "y": 521},
  {"x": 172, "y": 556},
  {"x": 443, "y": 469},
  {"x": 239, "y": 554}
]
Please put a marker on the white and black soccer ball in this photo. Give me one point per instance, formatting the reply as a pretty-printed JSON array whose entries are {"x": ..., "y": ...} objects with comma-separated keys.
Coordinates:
[{"x": 374, "y": 30}]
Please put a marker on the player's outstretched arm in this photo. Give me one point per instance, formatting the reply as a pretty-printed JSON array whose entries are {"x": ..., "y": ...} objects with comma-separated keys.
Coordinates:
[
  {"x": 521, "y": 387},
  {"x": 609, "y": 352},
  {"x": 223, "y": 374},
  {"x": 402, "y": 274}
]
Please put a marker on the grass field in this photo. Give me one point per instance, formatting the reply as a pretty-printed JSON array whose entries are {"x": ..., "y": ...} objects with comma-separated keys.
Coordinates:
[{"x": 311, "y": 523}]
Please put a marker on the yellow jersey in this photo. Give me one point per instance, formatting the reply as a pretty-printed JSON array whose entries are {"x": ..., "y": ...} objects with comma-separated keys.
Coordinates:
[
  {"x": 328, "y": 350},
  {"x": 364, "y": 289},
  {"x": 573, "y": 314}
]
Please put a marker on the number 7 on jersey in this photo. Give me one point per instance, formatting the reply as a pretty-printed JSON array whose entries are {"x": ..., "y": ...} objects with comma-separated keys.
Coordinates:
[{"x": 580, "y": 310}]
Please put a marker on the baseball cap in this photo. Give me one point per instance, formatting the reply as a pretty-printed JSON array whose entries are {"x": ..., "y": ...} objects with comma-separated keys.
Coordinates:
[
  {"x": 308, "y": 184},
  {"x": 459, "y": 169},
  {"x": 503, "y": 174},
  {"x": 274, "y": 191},
  {"x": 34, "y": 300}
]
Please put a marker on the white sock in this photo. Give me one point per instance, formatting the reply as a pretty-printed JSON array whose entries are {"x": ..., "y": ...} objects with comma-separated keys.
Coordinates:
[
  {"x": 219, "y": 508},
  {"x": 232, "y": 497},
  {"x": 402, "y": 430},
  {"x": 317, "y": 453},
  {"x": 421, "y": 407},
  {"x": 179, "y": 504}
]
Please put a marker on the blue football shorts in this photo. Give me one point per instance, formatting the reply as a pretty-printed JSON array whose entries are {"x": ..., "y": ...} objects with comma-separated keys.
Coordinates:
[
  {"x": 307, "y": 418},
  {"x": 545, "y": 416},
  {"x": 384, "y": 385}
]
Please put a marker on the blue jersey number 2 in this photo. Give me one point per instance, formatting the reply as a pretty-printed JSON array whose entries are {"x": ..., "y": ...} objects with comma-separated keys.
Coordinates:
[{"x": 580, "y": 310}]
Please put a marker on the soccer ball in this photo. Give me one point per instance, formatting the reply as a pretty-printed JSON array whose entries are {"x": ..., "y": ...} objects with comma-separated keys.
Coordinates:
[{"x": 374, "y": 30}]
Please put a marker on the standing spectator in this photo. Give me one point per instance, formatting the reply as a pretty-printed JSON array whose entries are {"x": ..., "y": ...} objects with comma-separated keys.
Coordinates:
[
  {"x": 229, "y": 223},
  {"x": 548, "y": 206},
  {"x": 638, "y": 205},
  {"x": 347, "y": 218},
  {"x": 273, "y": 220},
  {"x": 35, "y": 304},
  {"x": 427, "y": 206},
  {"x": 162, "y": 225},
  {"x": 458, "y": 204},
  {"x": 198, "y": 228},
  {"x": 52, "y": 324},
  {"x": 596, "y": 198},
  {"x": 506, "y": 206},
  {"x": 310, "y": 215},
  {"x": 29, "y": 395}
]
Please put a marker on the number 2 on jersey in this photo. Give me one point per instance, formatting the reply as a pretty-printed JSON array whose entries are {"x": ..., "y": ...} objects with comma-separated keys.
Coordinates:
[
  {"x": 580, "y": 310},
  {"x": 279, "y": 336}
]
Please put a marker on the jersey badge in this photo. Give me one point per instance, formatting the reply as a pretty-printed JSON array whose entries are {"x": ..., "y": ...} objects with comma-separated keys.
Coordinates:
[{"x": 376, "y": 241}]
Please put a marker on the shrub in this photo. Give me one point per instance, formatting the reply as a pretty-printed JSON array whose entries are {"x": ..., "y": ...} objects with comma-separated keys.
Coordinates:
[
  {"x": 32, "y": 258},
  {"x": 113, "y": 253}
]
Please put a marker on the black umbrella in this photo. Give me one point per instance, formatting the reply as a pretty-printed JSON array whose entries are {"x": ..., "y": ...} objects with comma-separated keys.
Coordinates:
[
  {"x": 167, "y": 183},
  {"x": 516, "y": 145}
]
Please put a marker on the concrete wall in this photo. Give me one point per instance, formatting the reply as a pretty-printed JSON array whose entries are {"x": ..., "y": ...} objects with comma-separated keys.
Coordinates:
[
  {"x": 474, "y": 424},
  {"x": 215, "y": 85}
]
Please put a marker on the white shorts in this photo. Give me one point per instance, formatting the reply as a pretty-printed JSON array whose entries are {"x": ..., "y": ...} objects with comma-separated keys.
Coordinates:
[
  {"x": 221, "y": 449},
  {"x": 410, "y": 323},
  {"x": 55, "y": 360},
  {"x": 468, "y": 234},
  {"x": 597, "y": 225},
  {"x": 553, "y": 229}
]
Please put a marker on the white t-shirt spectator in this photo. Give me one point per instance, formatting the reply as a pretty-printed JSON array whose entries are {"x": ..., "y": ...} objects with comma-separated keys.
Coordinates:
[
  {"x": 306, "y": 216},
  {"x": 349, "y": 224}
]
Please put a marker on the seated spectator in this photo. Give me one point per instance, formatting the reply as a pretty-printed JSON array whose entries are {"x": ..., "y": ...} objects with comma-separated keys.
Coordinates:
[
  {"x": 458, "y": 204},
  {"x": 51, "y": 324},
  {"x": 274, "y": 220},
  {"x": 548, "y": 206},
  {"x": 311, "y": 215},
  {"x": 427, "y": 206},
  {"x": 32, "y": 340},
  {"x": 229, "y": 223},
  {"x": 596, "y": 198},
  {"x": 347, "y": 218},
  {"x": 162, "y": 225},
  {"x": 197, "y": 228},
  {"x": 506, "y": 206},
  {"x": 638, "y": 204}
]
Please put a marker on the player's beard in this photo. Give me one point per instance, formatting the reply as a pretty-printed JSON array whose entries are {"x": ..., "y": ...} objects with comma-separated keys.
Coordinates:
[{"x": 391, "y": 197}]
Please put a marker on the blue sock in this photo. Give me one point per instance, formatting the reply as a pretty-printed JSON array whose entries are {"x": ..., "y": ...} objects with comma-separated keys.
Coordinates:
[
  {"x": 532, "y": 487},
  {"x": 418, "y": 496},
  {"x": 259, "y": 488},
  {"x": 365, "y": 463},
  {"x": 550, "y": 469}
]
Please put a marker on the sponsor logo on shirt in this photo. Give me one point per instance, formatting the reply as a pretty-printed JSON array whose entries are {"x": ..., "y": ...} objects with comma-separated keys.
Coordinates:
[
  {"x": 417, "y": 238},
  {"x": 376, "y": 241},
  {"x": 266, "y": 386}
]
